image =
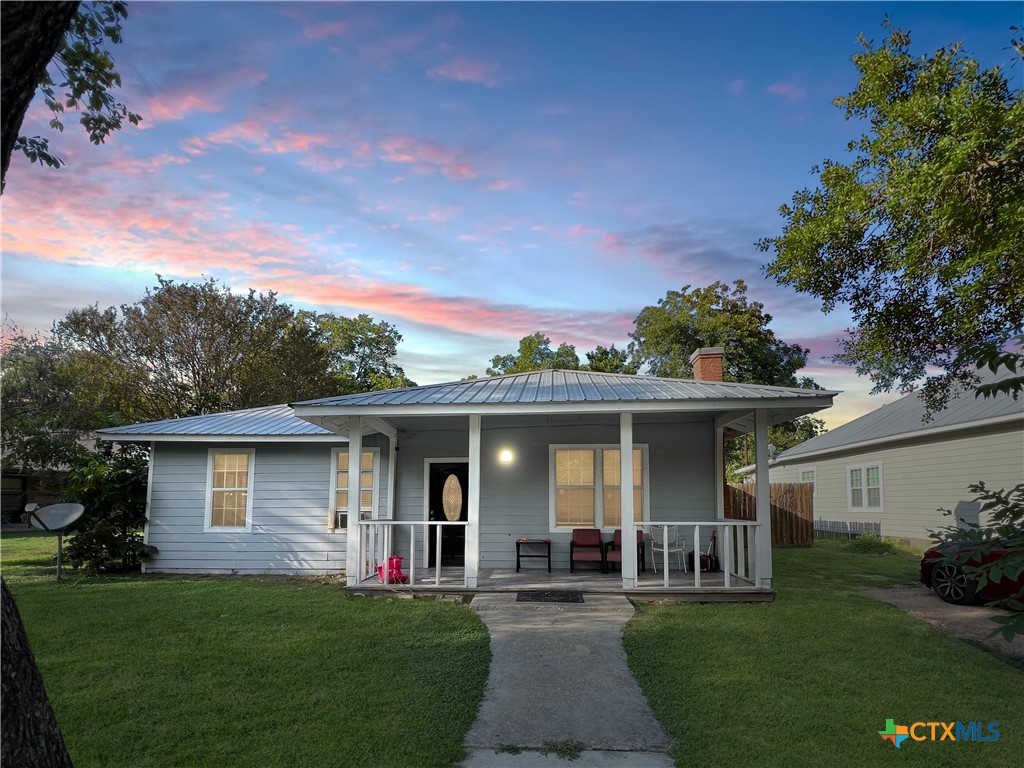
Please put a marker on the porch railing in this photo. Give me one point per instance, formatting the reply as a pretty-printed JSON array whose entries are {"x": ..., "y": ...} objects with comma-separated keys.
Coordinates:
[
  {"x": 736, "y": 547},
  {"x": 379, "y": 540}
]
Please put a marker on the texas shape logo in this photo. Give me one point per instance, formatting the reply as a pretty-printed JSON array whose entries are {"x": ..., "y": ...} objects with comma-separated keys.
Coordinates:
[{"x": 894, "y": 733}]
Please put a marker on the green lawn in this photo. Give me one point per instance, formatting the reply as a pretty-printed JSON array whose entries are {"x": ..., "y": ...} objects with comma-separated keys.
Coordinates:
[
  {"x": 276, "y": 672},
  {"x": 247, "y": 672},
  {"x": 811, "y": 678}
]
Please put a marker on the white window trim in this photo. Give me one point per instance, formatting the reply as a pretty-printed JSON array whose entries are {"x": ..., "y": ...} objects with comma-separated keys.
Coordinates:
[
  {"x": 331, "y": 500},
  {"x": 864, "y": 474},
  {"x": 811, "y": 468},
  {"x": 553, "y": 526},
  {"x": 208, "y": 526}
]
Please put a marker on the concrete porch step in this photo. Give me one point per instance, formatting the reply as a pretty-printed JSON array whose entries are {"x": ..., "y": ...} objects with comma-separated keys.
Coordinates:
[{"x": 506, "y": 601}]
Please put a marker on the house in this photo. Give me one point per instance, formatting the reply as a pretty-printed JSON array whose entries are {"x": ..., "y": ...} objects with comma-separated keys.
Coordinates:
[
  {"x": 889, "y": 472},
  {"x": 451, "y": 476}
]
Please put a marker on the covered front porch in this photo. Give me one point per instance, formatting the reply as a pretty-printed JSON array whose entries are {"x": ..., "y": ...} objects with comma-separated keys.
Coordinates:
[
  {"x": 539, "y": 454},
  {"x": 659, "y": 573}
]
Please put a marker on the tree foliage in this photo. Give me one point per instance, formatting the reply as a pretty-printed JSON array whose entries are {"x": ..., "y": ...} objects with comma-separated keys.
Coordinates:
[
  {"x": 535, "y": 354},
  {"x": 975, "y": 543},
  {"x": 667, "y": 334},
  {"x": 610, "y": 360},
  {"x": 111, "y": 485},
  {"x": 921, "y": 232},
  {"x": 73, "y": 39},
  {"x": 41, "y": 417},
  {"x": 187, "y": 349}
]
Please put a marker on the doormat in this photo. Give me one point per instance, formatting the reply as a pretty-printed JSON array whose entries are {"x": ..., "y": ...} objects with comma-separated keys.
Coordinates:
[{"x": 549, "y": 597}]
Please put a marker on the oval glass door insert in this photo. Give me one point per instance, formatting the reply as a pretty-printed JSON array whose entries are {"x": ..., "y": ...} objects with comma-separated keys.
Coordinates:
[{"x": 451, "y": 498}]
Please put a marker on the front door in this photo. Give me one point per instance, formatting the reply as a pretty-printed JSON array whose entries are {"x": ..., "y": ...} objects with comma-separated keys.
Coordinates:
[{"x": 448, "y": 501}]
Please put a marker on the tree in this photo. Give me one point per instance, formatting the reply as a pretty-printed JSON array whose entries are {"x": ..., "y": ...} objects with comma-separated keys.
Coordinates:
[
  {"x": 362, "y": 351},
  {"x": 610, "y": 360},
  {"x": 40, "y": 423},
  {"x": 969, "y": 548},
  {"x": 111, "y": 485},
  {"x": 72, "y": 37},
  {"x": 921, "y": 232},
  {"x": 30, "y": 736},
  {"x": 667, "y": 334},
  {"x": 535, "y": 354}
]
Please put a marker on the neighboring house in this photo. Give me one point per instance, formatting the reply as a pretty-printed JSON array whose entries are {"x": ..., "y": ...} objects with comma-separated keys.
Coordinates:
[
  {"x": 889, "y": 472},
  {"x": 469, "y": 467}
]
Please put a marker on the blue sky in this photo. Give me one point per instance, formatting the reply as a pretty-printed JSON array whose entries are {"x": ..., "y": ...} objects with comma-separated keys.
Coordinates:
[{"x": 470, "y": 172}]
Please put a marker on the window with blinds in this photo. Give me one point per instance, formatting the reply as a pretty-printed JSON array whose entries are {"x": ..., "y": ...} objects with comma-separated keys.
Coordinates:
[{"x": 230, "y": 491}]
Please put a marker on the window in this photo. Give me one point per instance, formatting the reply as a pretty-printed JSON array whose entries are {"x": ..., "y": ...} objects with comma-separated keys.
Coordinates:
[
  {"x": 574, "y": 488},
  {"x": 865, "y": 486},
  {"x": 339, "y": 486},
  {"x": 613, "y": 488},
  {"x": 807, "y": 475},
  {"x": 586, "y": 487},
  {"x": 229, "y": 491}
]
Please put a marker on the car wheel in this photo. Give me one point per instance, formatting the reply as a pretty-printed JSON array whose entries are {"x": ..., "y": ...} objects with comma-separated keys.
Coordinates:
[{"x": 952, "y": 585}]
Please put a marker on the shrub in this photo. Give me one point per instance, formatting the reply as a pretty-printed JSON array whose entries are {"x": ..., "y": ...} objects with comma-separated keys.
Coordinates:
[
  {"x": 111, "y": 485},
  {"x": 870, "y": 544}
]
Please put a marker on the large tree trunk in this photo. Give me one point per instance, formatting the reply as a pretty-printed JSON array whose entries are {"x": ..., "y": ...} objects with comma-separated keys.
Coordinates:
[
  {"x": 30, "y": 736},
  {"x": 30, "y": 34}
]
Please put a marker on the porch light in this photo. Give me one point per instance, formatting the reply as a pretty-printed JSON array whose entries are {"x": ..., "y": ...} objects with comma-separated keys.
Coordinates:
[{"x": 506, "y": 456}]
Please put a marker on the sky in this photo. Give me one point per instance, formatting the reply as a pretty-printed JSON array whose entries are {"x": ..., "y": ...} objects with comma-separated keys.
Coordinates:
[{"x": 470, "y": 172}]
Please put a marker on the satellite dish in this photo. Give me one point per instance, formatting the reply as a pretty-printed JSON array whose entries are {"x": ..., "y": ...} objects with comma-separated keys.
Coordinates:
[{"x": 56, "y": 518}]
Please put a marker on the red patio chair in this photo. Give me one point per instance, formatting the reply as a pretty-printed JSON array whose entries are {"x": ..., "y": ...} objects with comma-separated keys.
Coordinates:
[
  {"x": 613, "y": 554},
  {"x": 586, "y": 547}
]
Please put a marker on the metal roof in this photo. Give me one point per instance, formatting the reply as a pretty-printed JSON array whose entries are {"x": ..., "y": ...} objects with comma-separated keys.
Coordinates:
[
  {"x": 558, "y": 386},
  {"x": 268, "y": 421},
  {"x": 903, "y": 419}
]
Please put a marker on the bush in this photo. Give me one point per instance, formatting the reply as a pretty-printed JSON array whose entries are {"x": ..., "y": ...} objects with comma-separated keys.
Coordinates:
[
  {"x": 111, "y": 485},
  {"x": 869, "y": 544}
]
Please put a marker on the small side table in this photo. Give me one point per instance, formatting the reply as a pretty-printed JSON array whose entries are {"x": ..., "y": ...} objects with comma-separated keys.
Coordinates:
[{"x": 530, "y": 543}]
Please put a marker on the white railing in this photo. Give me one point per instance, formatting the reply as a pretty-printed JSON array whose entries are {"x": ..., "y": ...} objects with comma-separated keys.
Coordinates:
[
  {"x": 377, "y": 543},
  {"x": 736, "y": 542}
]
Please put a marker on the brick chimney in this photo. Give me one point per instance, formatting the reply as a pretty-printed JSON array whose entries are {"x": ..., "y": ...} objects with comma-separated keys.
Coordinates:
[{"x": 707, "y": 363}]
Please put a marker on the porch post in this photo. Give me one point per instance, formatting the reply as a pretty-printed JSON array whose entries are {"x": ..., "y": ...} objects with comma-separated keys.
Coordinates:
[
  {"x": 719, "y": 473},
  {"x": 626, "y": 500},
  {"x": 353, "y": 541},
  {"x": 473, "y": 505},
  {"x": 763, "y": 500}
]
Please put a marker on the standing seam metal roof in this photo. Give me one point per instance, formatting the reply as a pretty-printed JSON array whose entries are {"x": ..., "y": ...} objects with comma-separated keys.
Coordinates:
[
  {"x": 558, "y": 386},
  {"x": 271, "y": 420}
]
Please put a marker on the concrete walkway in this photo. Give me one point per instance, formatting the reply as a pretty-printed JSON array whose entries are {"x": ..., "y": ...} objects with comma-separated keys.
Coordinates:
[{"x": 559, "y": 684}]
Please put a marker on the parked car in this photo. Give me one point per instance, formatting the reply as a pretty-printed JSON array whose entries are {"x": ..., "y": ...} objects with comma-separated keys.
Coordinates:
[{"x": 954, "y": 586}]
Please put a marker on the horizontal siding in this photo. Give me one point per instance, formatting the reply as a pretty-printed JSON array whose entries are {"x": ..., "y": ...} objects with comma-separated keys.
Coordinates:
[
  {"x": 918, "y": 480},
  {"x": 291, "y": 490},
  {"x": 514, "y": 499}
]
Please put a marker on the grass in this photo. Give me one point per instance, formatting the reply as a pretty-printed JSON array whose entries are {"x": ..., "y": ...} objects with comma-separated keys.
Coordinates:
[
  {"x": 146, "y": 671},
  {"x": 810, "y": 679}
]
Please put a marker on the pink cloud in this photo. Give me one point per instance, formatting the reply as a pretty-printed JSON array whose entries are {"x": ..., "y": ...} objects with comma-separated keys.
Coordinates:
[
  {"x": 170, "y": 107},
  {"x": 465, "y": 70},
  {"x": 426, "y": 156},
  {"x": 499, "y": 185},
  {"x": 322, "y": 30},
  {"x": 788, "y": 90}
]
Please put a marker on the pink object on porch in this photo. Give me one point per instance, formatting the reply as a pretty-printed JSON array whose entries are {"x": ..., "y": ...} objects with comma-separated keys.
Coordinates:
[{"x": 395, "y": 575}]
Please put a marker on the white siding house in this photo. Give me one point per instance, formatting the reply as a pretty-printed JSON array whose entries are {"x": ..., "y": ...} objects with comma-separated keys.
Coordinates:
[
  {"x": 337, "y": 485},
  {"x": 890, "y": 472}
]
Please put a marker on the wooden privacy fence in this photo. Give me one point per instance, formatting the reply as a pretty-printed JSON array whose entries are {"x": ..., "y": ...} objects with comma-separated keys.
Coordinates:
[{"x": 792, "y": 510}]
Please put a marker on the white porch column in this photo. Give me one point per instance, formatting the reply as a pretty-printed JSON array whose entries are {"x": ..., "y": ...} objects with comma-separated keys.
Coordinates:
[
  {"x": 353, "y": 541},
  {"x": 629, "y": 563},
  {"x": 763, "y": 500},
  {"x": 473, "y": 505},
  {"x": 719, "y": 473}
]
